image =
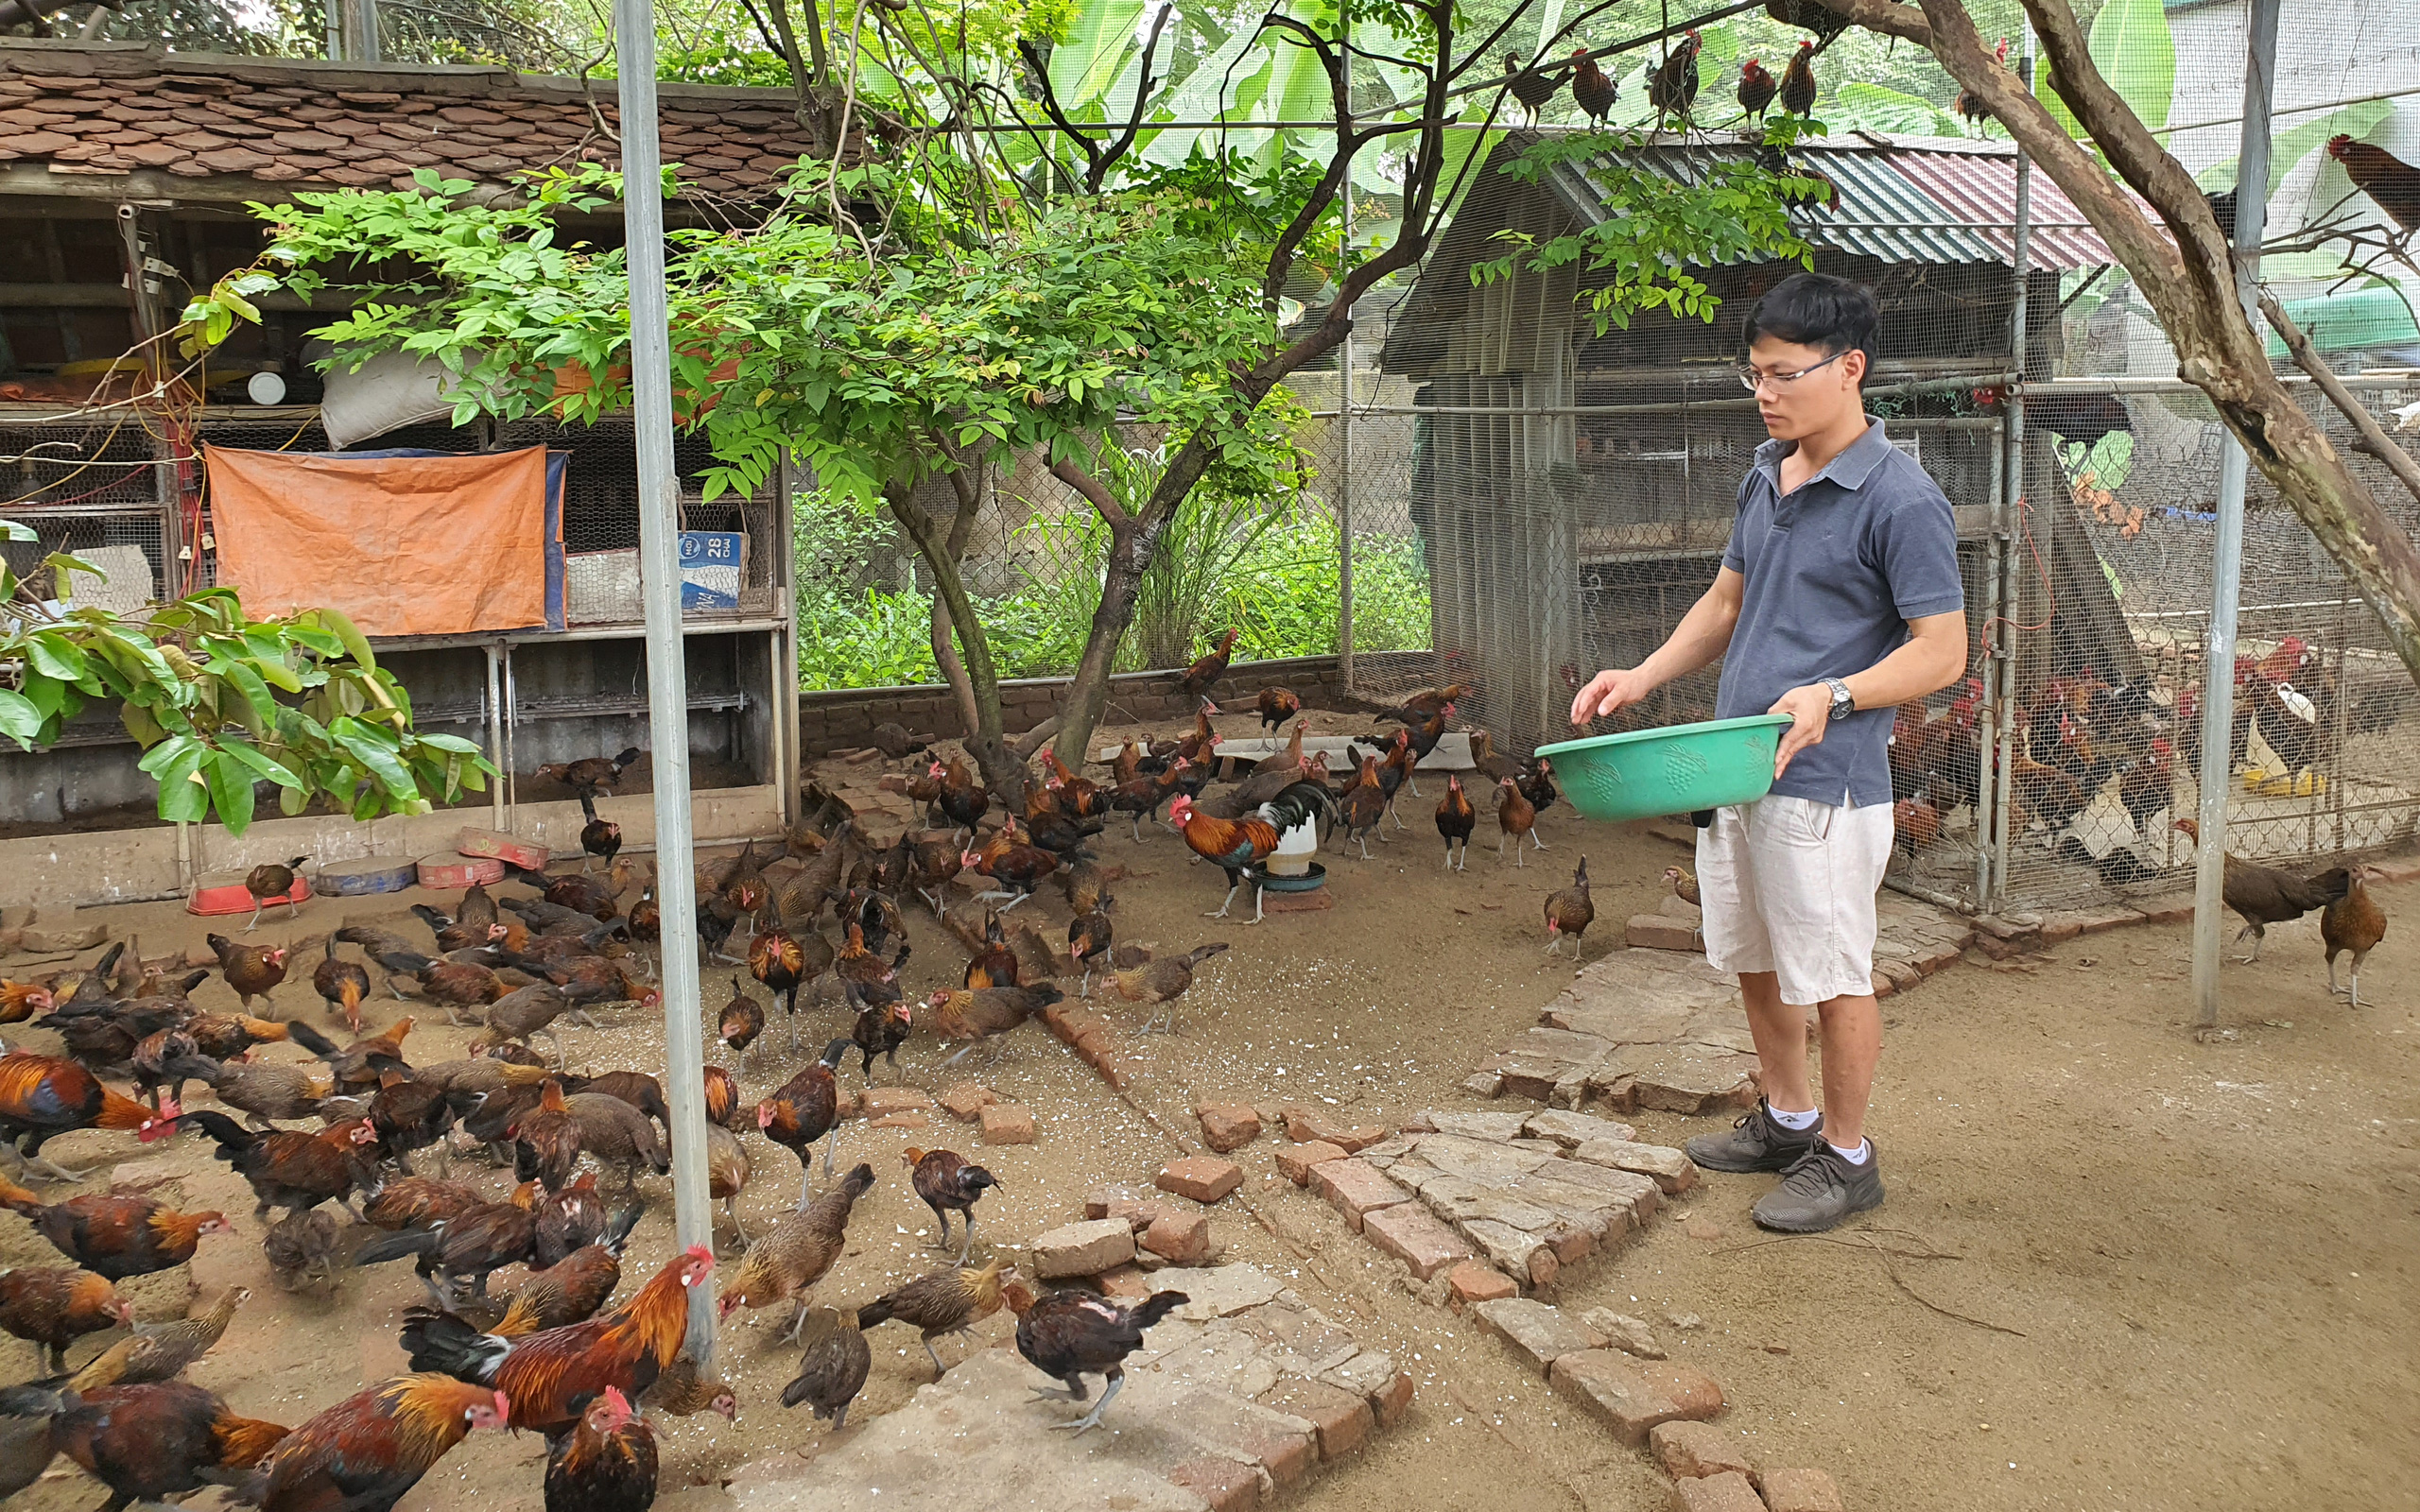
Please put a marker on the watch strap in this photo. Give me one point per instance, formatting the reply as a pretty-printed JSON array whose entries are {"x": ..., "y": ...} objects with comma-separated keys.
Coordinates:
[{"x": 1843, "y": 701}]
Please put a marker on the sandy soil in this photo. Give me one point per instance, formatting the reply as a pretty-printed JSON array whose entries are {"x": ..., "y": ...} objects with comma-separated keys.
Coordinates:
[{"x": 2179, "y": 1272}]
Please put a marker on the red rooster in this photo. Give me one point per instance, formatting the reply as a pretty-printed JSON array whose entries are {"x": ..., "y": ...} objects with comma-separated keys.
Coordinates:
[
  {"x": 1239, "y": 846},
  {"x": 1798, "y": 81},
  {"x": 2385, "y": 178},
  {"x": 113, "y": 1234},
  {"x": 1756, "y": 88},
  {"x": 606, "y": 1464},
  {"x": 159, "y": 1439},
  {"x": 1592, "y": 87},
  {"x": 550, "y": 1378},
  {"x": 1204, "y": 673},
  {"x": 368, "y": 1450},
  {"x": 44, "y": 1096}
]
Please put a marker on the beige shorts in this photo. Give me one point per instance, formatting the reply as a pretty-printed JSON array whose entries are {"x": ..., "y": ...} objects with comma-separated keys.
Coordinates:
[{"x": 1787, "y": 885}]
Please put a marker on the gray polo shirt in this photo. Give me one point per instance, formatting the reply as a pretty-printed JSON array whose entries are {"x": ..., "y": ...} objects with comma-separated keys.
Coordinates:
[{"x": 1834, "y": 573}]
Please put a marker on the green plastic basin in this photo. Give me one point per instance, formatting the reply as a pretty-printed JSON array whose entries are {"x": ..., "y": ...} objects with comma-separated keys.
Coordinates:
[{"x": 1677, "y": 770}]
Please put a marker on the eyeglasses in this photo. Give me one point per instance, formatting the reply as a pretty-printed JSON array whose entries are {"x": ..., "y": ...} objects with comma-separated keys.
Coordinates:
[{"x": 1752, "y": 380}]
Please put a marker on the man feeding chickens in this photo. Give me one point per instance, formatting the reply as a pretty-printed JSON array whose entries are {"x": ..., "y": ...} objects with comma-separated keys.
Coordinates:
[{"x": 1838, "y": 600}]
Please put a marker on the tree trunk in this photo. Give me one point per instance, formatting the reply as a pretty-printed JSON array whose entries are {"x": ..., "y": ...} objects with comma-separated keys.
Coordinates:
[{"x": 1003, "y": 767}]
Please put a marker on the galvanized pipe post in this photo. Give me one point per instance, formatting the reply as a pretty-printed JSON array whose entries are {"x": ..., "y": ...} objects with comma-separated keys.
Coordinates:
[
  {"x": 2000, "y": 742},
  {"x": 667, "y": 681},
  {"x": 2226, "y": 569},
  {"x": 1345, "y": 473}
]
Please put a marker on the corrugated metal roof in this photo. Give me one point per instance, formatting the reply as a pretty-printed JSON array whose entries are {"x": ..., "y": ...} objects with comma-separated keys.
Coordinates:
[{"x": 1901, "y": 200}]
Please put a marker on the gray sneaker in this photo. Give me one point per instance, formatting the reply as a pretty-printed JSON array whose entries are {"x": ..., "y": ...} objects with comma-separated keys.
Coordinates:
[
  {"x": 1757, "y": 1143},
  {"x": 1821, "y": 1190}
]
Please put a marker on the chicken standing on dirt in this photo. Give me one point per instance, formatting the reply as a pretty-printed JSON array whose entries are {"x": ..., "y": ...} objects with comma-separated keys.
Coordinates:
[
  {"x": 289, "y": 1169},
  {"x": 880, "y": 1029},
  {"x": 942, "y": 1303},
  {"x": 1239, "y": 847},
  {"x": 56, "y": 1305},
  {"x": 806, "y": 1108},
  {"x": 301, "y": 1249},
  {"x": 1067, "y": 1335},
  {"x": 158, "y": 1351},
  {"x": 367, "y": 1452},
  {"x": 1361, "y": 807},
  {"x": 474, "y": 1245},
  {"x": 795, "y": 1253},
  {"x": 270, "y": 880},
  {"x": 150, "y": 1442},
  {"x": 743, "y": 1020},
  {"x": 2353, "y": 923},
  {"x": 341, "y": 985},
  {"x": 117, "y": 1234},
  {"x": 252, "y": 971},
  {"x": 546, "y": 1141},
  {"x": 44, "y": 1096},
  {"x": 2262, "y": 896},
  {"x": 986, "y": 1012},
  {"x": 1569, "y": 912},
  {"x": 606, "y": 1464},
  {"x": 614, "y": 1132},
  {"x": 949, "y": 1183},
  {"x": 1161, "y": 981},
  {"x": 680, "y": 1391},
  {"x": 1455, "y": 819},
  {"x": 1089, "y": 938},
  {"x": 1517, "y": 819},
  {"x": 1685, "y": 885},
  {"x": 833, "y": 1369}
]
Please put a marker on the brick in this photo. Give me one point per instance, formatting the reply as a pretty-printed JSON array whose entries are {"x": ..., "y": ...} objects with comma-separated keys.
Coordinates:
[
  {"x": 1476, "y": 1281},
  {"x": 1112, "y": 1202},
  {"x": 1296, "y": 1161},
  {"x": 1391, "y": 1400},
  {"x": 1726, "y": 1492},
  {"x": 1282, "y": 1444},
  {"x": 913, "y": 1118},
  {"x": 1903, "y": 974},
  {"x": 1068, "y": 1022},
  {"x": 1227, "y": 1484},
  {"x": 1409, "y": 1233},
  {"x": 1356, "y": 1189},
  {"x": 2057, "y": 931},
  {"x": 1538, "y": 1332},
  {"x": 1342, "y": 1420},
  {"x": 966, "y": 1101},
  {"x": 1200, "y": 1177},
  {"x": 1227, "y": 1126},
  {"x": 1305, "y": 1126},
  {"x": 1801, "y": 1491},
  {"x": 1544, "y": 1264},
  {"x": 1008, "y": 1123},
  {"x": 1619, "y": 1392},
  {"x": 1181, "y": 1238},
  {"x": 1128, "y": 1283},
  {"x": 1083, "y": 1248},
  {"x": 1672, "y": 1170},
  {"x": 1690, "y": 1451},
  {"x": 1883, "y": 986},
  {"x": 1660, "y": 932},
  {"x": 879, "y": 1101},
  {"x": 1572, "y": 1130},
  {"x": 1696, "y": 1392},
  {"x": 1483, "y": 1084},
  {"x": 1625, "y": 1332}
]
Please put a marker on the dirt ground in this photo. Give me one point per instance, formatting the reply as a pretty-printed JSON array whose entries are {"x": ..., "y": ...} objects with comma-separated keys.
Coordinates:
[{"x": 2117, "y": 1269}]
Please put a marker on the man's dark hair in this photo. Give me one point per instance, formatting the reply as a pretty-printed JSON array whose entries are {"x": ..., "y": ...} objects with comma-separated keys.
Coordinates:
[{"x": 1817, "y": 310}]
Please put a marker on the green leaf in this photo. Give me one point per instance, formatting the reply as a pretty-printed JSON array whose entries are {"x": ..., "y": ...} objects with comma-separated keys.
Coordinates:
[
  {"x": 261, "y": 766},
  {"x": 185, "y": 794},
  {"x": 452, "y": 743},
  {"x": 256, "y": 699},
  {"x": 231, "y": 790},
  {"x": 157, "y": 759},
  {"x": 19, "y": 718},
  {"x": 53, "y": 654},
  {"x": 362, "y": 743}
]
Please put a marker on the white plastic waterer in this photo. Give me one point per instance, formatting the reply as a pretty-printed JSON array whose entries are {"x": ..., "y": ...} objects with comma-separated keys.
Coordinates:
[{"x": 1295, "y": 849}]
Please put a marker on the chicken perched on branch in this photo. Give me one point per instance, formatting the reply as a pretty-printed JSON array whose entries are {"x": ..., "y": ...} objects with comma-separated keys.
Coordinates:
[
  {"x": 941, "y": 1304},
  {"x": 1593, "y": 89},
  {"x": 1798, "y": 81},
  {"x": 1672, "y": 86},
  {"x": 2262, "y": 896},
  {"x": 551, "y": 1377},
  {"x": 1971, "y": 106},
  {"x": 2392, "y": 183},
  {"x": 1756, "y": 89},
  {"x": 370, "y": 1450}
]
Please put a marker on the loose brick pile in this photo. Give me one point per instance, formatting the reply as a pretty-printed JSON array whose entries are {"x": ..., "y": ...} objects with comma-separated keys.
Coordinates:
[{"x": 114, "y": 111}]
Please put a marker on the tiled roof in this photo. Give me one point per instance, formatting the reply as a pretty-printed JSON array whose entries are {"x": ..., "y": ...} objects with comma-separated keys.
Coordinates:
[{"x": 145, "y": 120}]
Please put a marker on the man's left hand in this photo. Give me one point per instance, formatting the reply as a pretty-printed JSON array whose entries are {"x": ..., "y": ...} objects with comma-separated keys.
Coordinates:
[{"x": 1811, "y": 709}]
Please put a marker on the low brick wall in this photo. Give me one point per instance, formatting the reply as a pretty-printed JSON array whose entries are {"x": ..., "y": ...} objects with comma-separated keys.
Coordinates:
[{"x": 843, "y": 717}]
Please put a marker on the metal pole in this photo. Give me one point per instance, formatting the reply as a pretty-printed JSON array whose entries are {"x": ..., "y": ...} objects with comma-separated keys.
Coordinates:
[
  {"x": 668, "y": 690},
  {"x": 496, "y": 731},
  {"x": 2001, "y": 675},
  {"x": 2226, "y": 568},
  {"x": 1344, "y": 477},
  {"x": 362, "y": 47}
]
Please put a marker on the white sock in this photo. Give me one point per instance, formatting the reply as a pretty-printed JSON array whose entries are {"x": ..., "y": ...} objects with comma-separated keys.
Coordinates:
[
  {"x": 1801, "y": 1122},
  {"x": 1863, "y": 1152}
]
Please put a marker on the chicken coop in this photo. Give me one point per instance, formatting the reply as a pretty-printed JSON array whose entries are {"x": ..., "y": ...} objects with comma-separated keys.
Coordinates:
[
  {"x": 129, "y": 486},
  {"x": 1572, "y": 493}
]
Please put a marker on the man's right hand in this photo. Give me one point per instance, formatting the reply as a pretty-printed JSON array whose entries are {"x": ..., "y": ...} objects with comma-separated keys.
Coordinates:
[{"x": 1609, "y": 691}]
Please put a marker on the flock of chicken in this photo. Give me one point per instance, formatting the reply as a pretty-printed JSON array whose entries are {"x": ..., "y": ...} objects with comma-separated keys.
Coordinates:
[
  {"x": 551, "y": 1355},
  {"x": 1672, "y": 84}
]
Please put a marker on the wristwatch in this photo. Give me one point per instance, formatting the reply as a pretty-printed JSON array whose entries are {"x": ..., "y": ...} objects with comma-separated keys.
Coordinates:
[{"x": 1843, "y": 702}]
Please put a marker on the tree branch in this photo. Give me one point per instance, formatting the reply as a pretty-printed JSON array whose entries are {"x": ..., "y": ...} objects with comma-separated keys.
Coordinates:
[
  {"x": 2374, "y": 439},
  {"x": 1889, "y": 17},
  {"x": 1094, "y": 492},
  {"x": 1108, "y": 156}
]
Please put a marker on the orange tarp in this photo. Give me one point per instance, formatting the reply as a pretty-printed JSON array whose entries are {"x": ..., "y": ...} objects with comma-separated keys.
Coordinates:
[{"x": 419, "y": 545}]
